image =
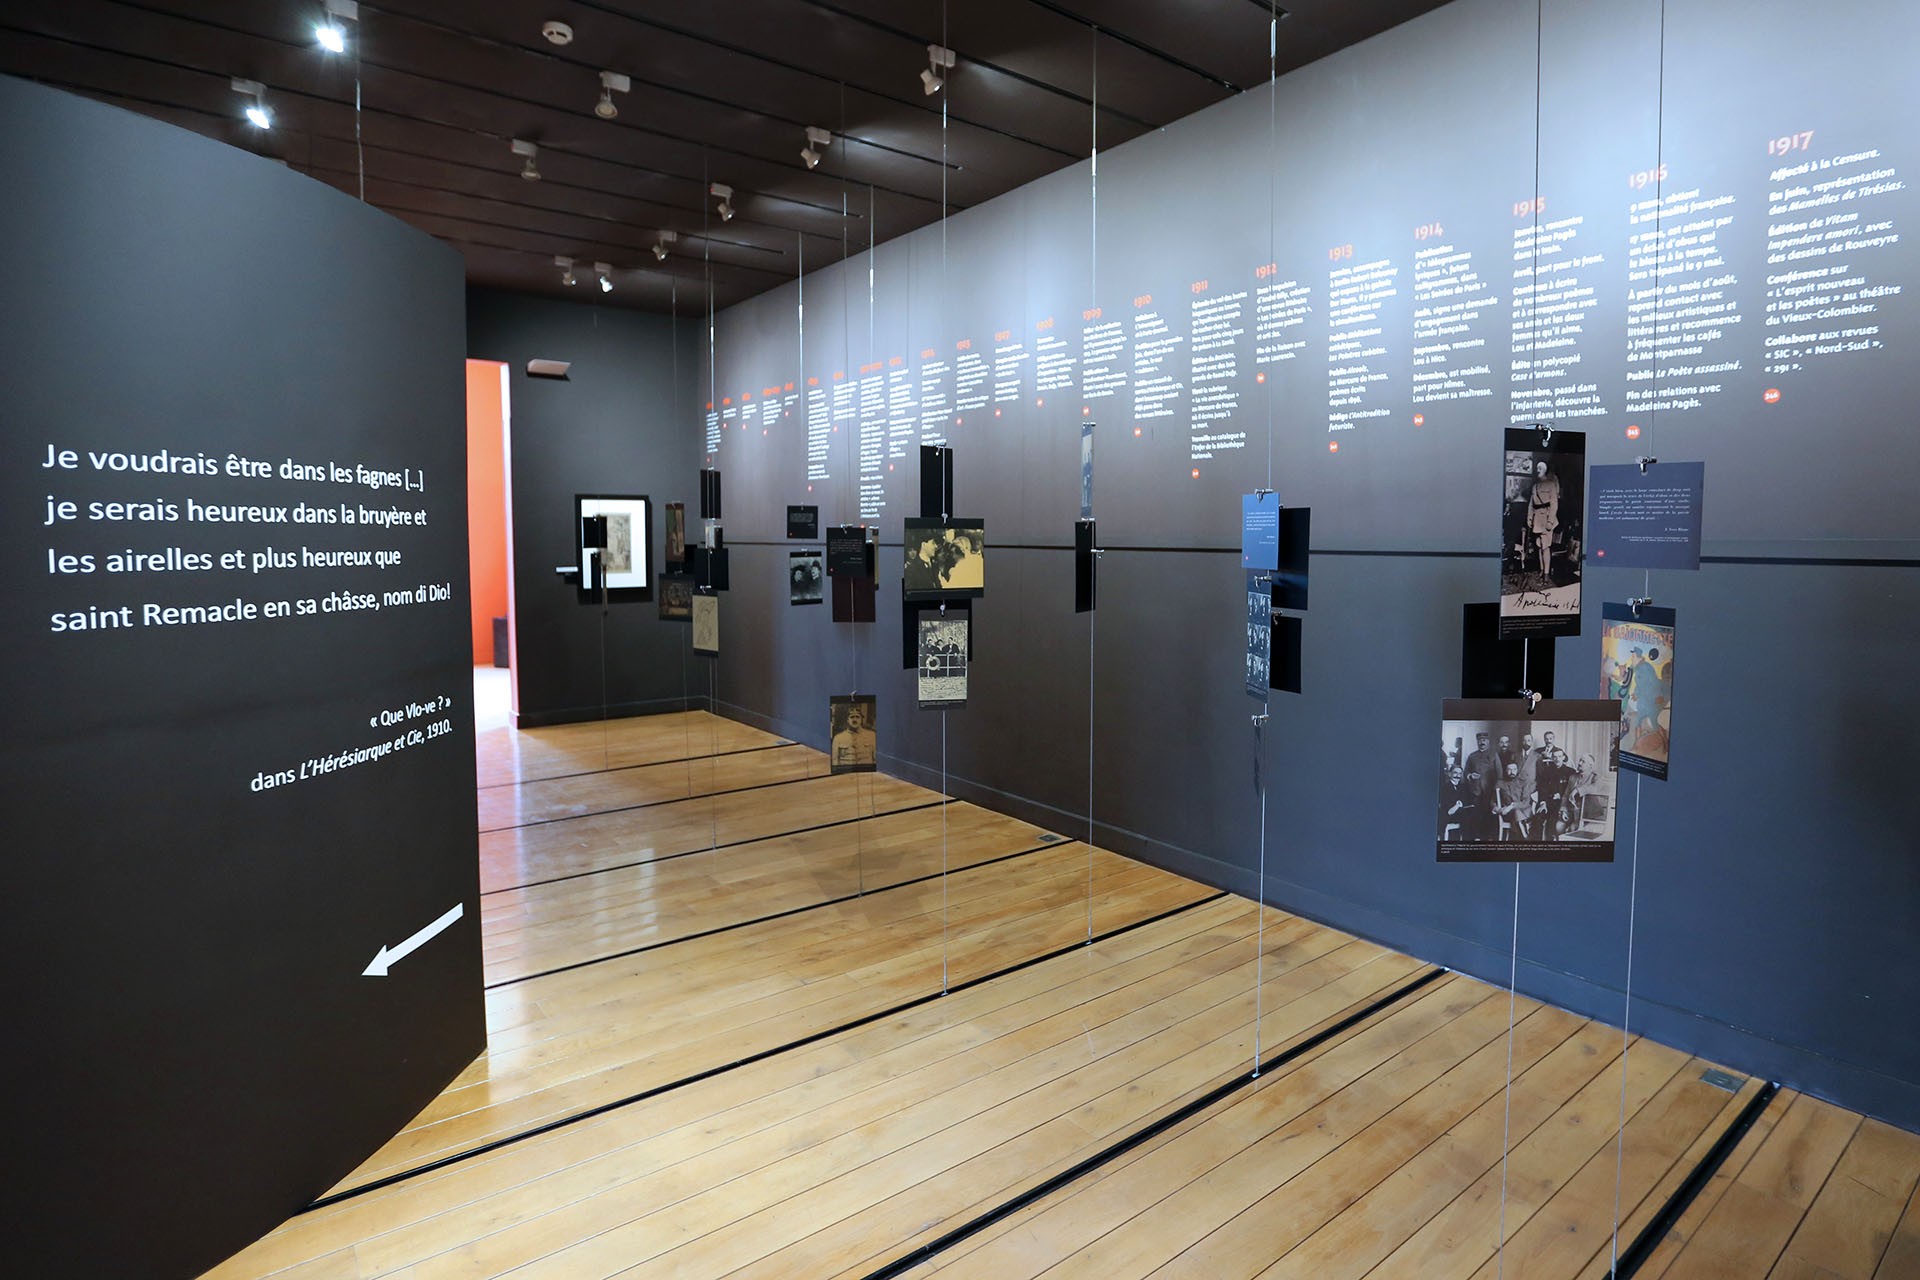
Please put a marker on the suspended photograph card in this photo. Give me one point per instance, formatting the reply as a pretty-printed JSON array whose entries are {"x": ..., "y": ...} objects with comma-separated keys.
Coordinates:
[
  {"x": 706, "y": 625},
  {"x": 1527, "y": 788},
  {"x": 847, "y": 552},
  {"x": 943, "y": 660},
  {"x": 1259, "y": 636},
  {"x": 1283, "y": 664},
  {"x": 803, "y": 523},
  {"x": 944, "y": 560},
  {"x": 1260, "y": 531},
  {"x": 676, "y": 535},
  {"x": 1647, "y": 519},
  {"x": 1496, "y": 666},
  {"x": 1290, "y": 571},
  {"x": 1086, "y": 471},
  {"x": 806, "y": 577},
  {"x": 1540, "y": 548},
  {"x": 852, "y": 733},
  {"x": 676, "y": 597},
  {"x": 624, "y": 558},
  {"x": 1636, "y": 670}
]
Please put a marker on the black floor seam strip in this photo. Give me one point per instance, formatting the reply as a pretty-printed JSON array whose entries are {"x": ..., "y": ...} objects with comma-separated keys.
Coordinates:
[
  {"x": 778, "y": 915},
  {"x": 655, "y": 804},
  {"x": 1147, "y": 1133},
  {"x": 1635, "y": 1255},
  {"x": 708, "y": 1074},
  {"x": 643, "y": 764},
  {"x": 709, "y": 848}
]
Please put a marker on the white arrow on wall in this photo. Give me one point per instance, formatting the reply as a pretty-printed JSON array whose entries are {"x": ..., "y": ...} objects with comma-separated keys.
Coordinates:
[{"x": 388, "y": 955}]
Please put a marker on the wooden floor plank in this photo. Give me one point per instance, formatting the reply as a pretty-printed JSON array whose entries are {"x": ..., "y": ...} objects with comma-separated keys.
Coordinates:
[
  {"x": 506, "y": 756},
  {"x": 1760, "y": 1209},
  {"x": 582, "y": 845},
  {"x": 1852, "y": 1219},
  {"x": 853, "y": 1141}
]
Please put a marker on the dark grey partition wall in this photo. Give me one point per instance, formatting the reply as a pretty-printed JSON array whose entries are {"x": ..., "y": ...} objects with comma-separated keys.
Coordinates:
[
  {"x": 241, "y": 924},
  {"x": 606, "y": 429},
  {"x": 1377, "y": 282}
]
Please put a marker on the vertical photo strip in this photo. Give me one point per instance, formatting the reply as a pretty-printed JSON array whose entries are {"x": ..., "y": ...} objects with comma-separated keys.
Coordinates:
[
  {"x": 1543, "y": 488},
  {"x": 852, "y": 735},
  {"x": 1636, "y": 670},
  {"x": 943, "y": 660},
  {"x": 1516, "y": 787}
]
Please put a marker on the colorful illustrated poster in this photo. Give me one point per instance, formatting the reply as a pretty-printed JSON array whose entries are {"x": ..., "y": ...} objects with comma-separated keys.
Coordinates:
[
  {"x": 1527, "y": 788},
  {"x": 943, "y": 660},
  {"x": 852, "y": 733},
  {"x": 1543, "y": 489},
  {"x": 1636, "y": 669}
]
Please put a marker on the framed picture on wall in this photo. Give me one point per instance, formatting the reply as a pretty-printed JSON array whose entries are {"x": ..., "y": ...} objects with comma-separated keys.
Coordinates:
[{"x": 613, "y": 538}]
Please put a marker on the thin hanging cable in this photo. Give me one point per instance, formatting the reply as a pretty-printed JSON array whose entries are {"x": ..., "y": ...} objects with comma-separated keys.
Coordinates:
[
  {"x": 686, "y": 693},
  {"x": 946, "y": 500},
  {"x": 1646, "y": 592},
  {"x": 1506, "y": 1125},
  {"x": 359, "y": 152},
  {"x": 1526, "y": 681},
  {"x": 1093, "y": 300},
  {"x": 944, "y": 921},
  {"x": 1259, "y": 737}
]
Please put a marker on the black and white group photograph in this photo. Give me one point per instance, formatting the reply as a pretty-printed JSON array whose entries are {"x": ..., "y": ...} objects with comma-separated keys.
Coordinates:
[
  {"x": 1544, "y": 487},
  {"x": 943, "y": 660},
  {"x": 1527, "y": 788},
  {"x": 1259, "y": 638}
]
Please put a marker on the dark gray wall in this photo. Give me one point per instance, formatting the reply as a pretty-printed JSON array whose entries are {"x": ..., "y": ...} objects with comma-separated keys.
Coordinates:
[
  {"x": 1777, "y": 879},
  {"x": 196, "y": 1050},
  {"x": 608, "y": 428}
]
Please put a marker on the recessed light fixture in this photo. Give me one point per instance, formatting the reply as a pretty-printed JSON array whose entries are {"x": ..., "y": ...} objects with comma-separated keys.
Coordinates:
[
  {"x": 331, "y": 34},
  {"x": 660, "y": 245},
  {"x": 816, "y": 138},
  {"x": 566, "y": 269},
  {"x": 725, "y": 207},
  {"x": 611, "y": 82},
  {"x": 605, "y": 270},
  {"x": 530, "y": 171},
  {"x": 938, "y": 59},
  {"x": 257, "y": 113}
]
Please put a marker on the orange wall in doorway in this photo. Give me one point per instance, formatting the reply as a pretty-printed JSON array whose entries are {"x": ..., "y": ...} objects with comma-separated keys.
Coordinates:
[{"x": 486, "y": 501}]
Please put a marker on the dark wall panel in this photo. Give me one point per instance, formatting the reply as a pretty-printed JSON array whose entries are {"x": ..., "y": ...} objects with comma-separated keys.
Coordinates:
[
  {"x": 199, "y": 1046},
  {"x": 1777, "y": 878},
  {"x": 605, "y": 429}
]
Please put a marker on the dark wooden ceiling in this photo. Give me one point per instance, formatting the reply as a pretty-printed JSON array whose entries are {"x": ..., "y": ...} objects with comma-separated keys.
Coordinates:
[{"x": 722, "y": 92}]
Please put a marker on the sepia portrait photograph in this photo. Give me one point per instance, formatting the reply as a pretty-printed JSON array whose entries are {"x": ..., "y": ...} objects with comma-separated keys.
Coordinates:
[{"x": 944, "y": 560}]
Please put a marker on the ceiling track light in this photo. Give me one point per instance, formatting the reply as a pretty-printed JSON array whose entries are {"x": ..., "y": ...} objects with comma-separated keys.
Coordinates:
[
  {"x": 530, "y": 171},
  {"x": 816, "y": 138},
  {"x": 257, "y": 113},
  {"x": 611, "y": 82},
  {"x": 725, "y": 207},
  {"x": 660, "y": 245},
  {"x": 938, "y": 59},
  {"x": 605, "y": 272},
  {"x": 331, "y": 35},
  {"x": 566, "y": 269}
]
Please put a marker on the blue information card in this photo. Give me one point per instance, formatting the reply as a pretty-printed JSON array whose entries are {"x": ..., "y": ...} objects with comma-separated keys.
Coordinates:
[
  {"x": 1260, "y": 531},
  {"x": 1647, "y": 520}
]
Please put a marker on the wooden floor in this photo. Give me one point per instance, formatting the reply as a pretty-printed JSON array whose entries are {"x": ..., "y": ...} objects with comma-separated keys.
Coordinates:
[{"x": 718, "y": 1047}]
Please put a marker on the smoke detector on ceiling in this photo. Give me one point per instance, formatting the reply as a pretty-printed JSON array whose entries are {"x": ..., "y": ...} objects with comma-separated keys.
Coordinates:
[{"x": 557, "y": 32}]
